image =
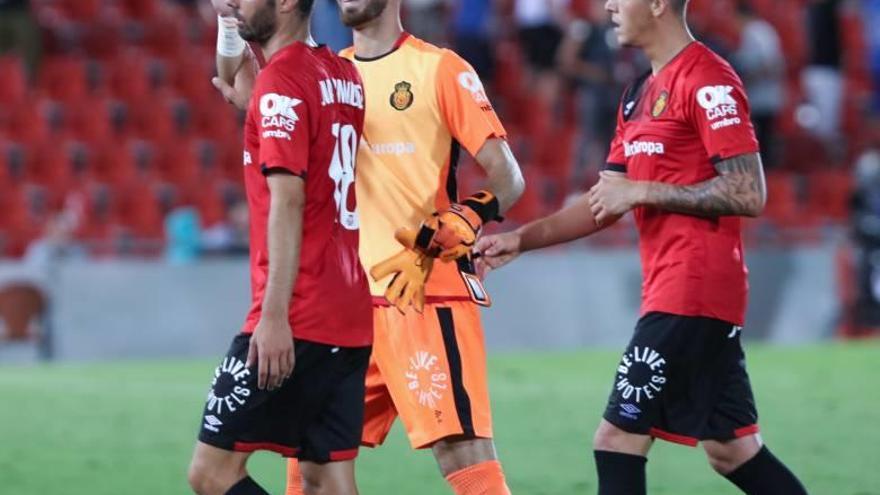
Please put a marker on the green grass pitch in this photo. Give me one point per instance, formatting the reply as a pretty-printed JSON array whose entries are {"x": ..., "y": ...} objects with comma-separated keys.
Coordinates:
[{"x": 128, "y": 428}]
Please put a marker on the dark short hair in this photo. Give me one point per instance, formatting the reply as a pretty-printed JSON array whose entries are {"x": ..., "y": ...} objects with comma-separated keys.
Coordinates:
[{"x": 305, "y": 7}]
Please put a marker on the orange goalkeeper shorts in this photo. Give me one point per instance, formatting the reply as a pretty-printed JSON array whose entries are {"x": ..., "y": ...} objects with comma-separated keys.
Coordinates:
[{"x": 430, "y": 369}]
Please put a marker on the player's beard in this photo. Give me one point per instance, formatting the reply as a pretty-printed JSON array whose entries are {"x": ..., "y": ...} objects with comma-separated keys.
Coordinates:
[
  {"x": 372, "y": 9},
  {"x": 262, "y": 25}
]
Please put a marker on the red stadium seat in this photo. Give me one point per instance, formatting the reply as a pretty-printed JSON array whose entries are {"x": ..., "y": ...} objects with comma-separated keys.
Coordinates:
[
  {"x": 128, "y": 76},
  {"x": 208, "y": 197},
  {"x": 830, "y": 193},
  {"x": 190, "y": 71},
  {"x": 117, "y": 163},
  {"x": 231, "y": 160},
  {"x": 25, "y": 210},
  {"x": 141, "y": 211},
  {"x": 13, "y": 80},
  {"x": 64, "y": 78},
  {"x": 89, "y": 120},
  {"x": 28, "y": 122},
  {"x": 782, "y": 198},
  {"x": 141, "y": 9},
  {"x": 158, "y": 119},
  {"x": 12, "y": 164},
  {"x": 164, "y": 33},
  {"x": 188, "y": 161},
  {"x": 215, "y": 119},
  {"x": 104, "y": 37},
  {"x": 58, "y": 166},
  {"x": 81, "y": 10}
]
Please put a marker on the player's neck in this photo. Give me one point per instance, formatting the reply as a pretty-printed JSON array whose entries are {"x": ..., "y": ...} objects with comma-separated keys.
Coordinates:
[
  {"x": 667, "y": 45},
  {"x": 378, "y": 37},
  {"x": 286, "y": 35}
]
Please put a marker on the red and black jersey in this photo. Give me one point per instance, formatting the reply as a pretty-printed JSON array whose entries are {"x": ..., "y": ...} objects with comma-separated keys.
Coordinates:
[
  {"x": 306, "y": 117},
  {"x": 673, "y": 127}
]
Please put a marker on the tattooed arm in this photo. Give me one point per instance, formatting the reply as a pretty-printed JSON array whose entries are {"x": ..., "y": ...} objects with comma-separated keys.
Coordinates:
[{"x": 739, "y": 189}]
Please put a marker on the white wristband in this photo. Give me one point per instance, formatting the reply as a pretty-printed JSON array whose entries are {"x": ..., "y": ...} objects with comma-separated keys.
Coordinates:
[{"x": 229, "y": 43}]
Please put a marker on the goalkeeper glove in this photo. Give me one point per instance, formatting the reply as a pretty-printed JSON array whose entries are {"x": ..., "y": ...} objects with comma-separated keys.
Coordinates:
[
  {"x": 411, "y": 269},
  {"x": 451, "y": 233}
]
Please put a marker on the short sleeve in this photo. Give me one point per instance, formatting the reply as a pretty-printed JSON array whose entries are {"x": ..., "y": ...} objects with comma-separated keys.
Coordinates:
[
  {"x": 616, "y": 161},
  {"x": 464, "y": 105},
  {"x": 719, "y": 110},
  {"x": 282, "y": 116}
]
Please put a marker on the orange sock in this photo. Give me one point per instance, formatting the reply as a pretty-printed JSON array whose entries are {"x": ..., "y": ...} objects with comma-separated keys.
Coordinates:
[
  {"x": 485, "y": 478},
  {"x": 294, "y": 478}
]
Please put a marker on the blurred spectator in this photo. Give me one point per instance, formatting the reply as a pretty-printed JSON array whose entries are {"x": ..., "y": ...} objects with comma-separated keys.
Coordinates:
[
  {"x": 871, "y": 14},
  {"x": 327, "y": 29},
  {"x": 761, "y": 65},
  {"x": 866, "y": 233},
  {"x": 538, "y": 26},
  {"x": 822, "y": 78},
  {"x": 183, "y": 232},
  {"x": 19, "y": 32},
  {"x": 425, "y": 19},
  {"x": 538, "y": 22},
  {"x": 229, "y": 237},
  {"x": 587, "y": 56},
  {"x": 471, "y": 28}
]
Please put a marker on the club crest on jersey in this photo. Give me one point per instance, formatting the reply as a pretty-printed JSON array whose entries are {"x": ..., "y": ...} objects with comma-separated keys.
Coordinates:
[
  {"x": 660, "y": 105},
  {"x": 402, "y": 97}
]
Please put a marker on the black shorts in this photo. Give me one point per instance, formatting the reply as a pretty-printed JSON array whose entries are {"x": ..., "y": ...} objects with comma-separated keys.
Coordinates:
[
  {"x": 317, "y": 415},
  {"x": 683, "y": 379}
]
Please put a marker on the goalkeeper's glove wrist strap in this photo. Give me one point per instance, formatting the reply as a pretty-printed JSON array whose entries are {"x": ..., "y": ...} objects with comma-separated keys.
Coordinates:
[{"x": 485, "y": 205}]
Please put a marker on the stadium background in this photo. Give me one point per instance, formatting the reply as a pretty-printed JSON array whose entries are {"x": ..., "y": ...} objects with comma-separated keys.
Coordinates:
[{"x": 122, "y": 234}]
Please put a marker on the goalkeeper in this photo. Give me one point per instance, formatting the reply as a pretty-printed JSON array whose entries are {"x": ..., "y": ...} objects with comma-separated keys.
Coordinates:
[{"x": 429, "y": 362}]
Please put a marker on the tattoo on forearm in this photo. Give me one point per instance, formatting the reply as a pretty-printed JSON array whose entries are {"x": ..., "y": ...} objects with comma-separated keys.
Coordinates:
[{"x": 738, "y": 190}]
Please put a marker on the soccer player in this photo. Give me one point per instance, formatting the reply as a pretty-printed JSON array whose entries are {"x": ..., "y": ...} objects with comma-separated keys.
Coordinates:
[
  {"x": 429, "y": 363},
  {"x": 293, "y": 379},
  {"x": 685, "y": 160}
]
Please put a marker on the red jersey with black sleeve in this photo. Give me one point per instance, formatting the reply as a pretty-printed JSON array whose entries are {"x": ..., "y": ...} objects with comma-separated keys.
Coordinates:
[
  {"x": 305, "y": 118},
  {"x": 673, "y": 127}
]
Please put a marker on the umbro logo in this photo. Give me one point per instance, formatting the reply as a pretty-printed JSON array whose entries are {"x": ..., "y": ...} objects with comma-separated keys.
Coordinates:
[
  {"x": 212, "y": 423},
  {"x": 630, "y": 411},
  {"x": 630, "y": 408}
]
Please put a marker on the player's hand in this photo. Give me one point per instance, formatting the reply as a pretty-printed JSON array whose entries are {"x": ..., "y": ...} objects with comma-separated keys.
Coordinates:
[
  {"x": 410, "y": 269},
  {"x": 613, "y": 196},
  {"x": 450, "y": 234},
  {"x": 239, "y": 95},
  {"x": 222, "y": 8},
  {"x": 496, "y": 251},
  {"x": 271, "y": 348}
]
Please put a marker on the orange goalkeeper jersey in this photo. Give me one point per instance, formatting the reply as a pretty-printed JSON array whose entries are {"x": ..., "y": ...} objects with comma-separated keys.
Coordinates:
[{"x": 423, "y": 104}]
